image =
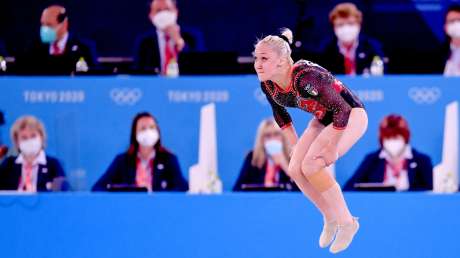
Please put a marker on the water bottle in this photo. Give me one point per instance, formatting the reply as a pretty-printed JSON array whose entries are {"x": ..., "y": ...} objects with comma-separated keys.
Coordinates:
[
  {"x": 2, "y": 64},
  {"x": 172, "y": 69},
  {"x": 377, "y": 66},
  {"x": 81, "y": 66}
]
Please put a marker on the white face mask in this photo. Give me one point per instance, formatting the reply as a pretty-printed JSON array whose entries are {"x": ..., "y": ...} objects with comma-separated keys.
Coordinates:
[
  {"x": 163, "y": 19},
  {"x": 394, "y": 147},
  {"x": 31, "y": 147},
  {"x": 273, "y": 147},
  {"x": 148, "y": 138},
  {"x": 347, "y": 33},
  {"x": 453, "y": 29}
]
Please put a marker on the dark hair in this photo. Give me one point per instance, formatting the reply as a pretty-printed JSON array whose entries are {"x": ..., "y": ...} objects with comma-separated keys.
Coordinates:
[
  {"x": 392, "y": 126},
  {"x": 172, "y": 1},
  {"x": 452, "y": 8},
  {"x": 133, "y": 144}
]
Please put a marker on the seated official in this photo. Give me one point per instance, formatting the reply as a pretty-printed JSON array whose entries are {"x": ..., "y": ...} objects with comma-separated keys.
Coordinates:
[
  {"x": 146, "y": 165},
  {"x": 157, "y": 51},
  {"x": 265, "y": 165},
  {"x": 350, "y": 51},
  {"x": 59, "y": 51},
  {"x": 396, "y": 163},
  {"x": 32, "y": 170}
]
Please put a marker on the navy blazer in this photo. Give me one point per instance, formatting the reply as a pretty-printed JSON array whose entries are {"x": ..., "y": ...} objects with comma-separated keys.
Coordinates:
[
  {"x": 10, "y": 173},
  {"x": 167, "y": 174},
  {"x": 147, "y": 58},
  {"x": 372, "y": 170},
  {"x": 250, "y": 174},
  {"x": 367, "y": 49},
  {"x": 2, "y": 49},
  {"x": 442, "y": 55},
  {"x": 37, "y": 60}
]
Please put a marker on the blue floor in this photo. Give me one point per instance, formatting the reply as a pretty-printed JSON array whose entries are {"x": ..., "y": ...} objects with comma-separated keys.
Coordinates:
[{"x": 264, "y": 225}]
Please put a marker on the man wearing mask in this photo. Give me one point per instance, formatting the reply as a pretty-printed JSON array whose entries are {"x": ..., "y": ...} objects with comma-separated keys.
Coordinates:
[
  {"x": 350, "y": 52},
  {"x": 396, "y": 163},
  {"x": 58, "y": 52},
  {"x": 452, "y": 49},
  {"x": 157, "y": 51}
]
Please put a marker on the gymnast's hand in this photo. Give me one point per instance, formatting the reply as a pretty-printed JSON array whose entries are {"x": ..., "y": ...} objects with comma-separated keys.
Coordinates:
[{"x": 329, "y": 154}]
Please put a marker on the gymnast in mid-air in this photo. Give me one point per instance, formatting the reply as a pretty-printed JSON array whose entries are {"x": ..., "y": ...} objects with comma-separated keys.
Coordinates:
[{"x": 339, "y": 121}]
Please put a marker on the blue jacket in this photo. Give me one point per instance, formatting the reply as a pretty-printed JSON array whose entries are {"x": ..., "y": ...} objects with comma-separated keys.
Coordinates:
[
  {"x": 167, "y": 174},
  {"x": 372, "y": 170},
  {"x": 10, "y": 173},
  {"x": 37, "y": 60},
  {"x": 250, "y": 174},
  {"x": 147, "y": 57},
  {"x": 2, "y": 49},
  {"x": 334, "y": 61}
]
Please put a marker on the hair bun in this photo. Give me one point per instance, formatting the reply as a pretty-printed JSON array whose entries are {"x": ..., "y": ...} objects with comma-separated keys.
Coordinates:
[{"x": 288, "y": 34}]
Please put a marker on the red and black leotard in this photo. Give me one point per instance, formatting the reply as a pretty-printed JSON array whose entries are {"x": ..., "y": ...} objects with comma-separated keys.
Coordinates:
[{"x": 315, "y": 90}]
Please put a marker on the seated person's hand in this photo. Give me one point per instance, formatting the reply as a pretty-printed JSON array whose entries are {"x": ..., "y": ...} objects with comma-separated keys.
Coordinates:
[{"x": 174, "y": 32}]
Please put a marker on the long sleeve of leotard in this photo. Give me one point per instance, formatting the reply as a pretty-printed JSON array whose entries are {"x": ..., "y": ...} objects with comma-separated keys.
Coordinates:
[{"x": 282, "y": 117}]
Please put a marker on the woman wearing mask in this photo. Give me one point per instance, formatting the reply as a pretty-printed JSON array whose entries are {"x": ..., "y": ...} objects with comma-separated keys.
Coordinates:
[
  {"x": 396, "y": 163},
  {"x": 146, "y": 163},
  {"x": 350, "y": 51},
  {"x": 339, "y": 122},
  {"x": 266, "y": 164},
  {"x": 32, "y": 170}
]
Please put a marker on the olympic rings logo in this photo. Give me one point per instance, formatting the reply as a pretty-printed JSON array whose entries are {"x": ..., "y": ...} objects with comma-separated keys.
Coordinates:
[
  {"x": 125, "y": 96},
  {"x": 424, "y": 95},
  {"x": 260, "y": 96}
]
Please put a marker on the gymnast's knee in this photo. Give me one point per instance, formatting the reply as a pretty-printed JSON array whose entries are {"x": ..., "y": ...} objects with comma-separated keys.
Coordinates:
[
  {"x": 294, "y": 170},
  {"x": 311, "y": 165},
  {"x": 316, "y": 173}
]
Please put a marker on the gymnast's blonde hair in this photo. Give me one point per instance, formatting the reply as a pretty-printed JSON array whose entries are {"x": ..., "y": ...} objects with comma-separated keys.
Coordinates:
[{"x": 278, "y": 44}]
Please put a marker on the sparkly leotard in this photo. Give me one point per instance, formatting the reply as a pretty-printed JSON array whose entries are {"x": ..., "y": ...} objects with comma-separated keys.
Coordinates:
[{"x": 315, "y": 90}]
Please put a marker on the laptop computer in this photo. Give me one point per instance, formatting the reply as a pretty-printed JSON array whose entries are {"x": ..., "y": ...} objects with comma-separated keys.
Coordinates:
[
  {"x": 374, "y": 187},
  {"x": 125, "y": 188}
]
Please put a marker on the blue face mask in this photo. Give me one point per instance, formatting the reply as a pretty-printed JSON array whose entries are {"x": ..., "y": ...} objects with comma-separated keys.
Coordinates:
[
  {"x": 273, "y": 147},
  {"x": 47, "y": 34}
]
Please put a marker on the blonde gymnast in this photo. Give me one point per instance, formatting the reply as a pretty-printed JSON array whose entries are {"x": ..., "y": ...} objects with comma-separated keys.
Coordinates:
[{"x": 339, "y": 122}]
